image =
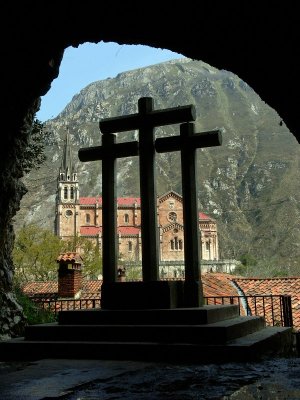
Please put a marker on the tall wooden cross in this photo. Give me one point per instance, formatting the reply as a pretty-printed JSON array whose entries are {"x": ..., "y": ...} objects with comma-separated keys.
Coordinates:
[
  {"x": 108, "y": 153},
  {"x": 187, "y": 143},
  {"x": 144, "y": 121}
]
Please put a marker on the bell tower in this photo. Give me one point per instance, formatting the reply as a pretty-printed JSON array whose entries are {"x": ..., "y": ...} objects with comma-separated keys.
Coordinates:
[{"x": 67, "y": 197}]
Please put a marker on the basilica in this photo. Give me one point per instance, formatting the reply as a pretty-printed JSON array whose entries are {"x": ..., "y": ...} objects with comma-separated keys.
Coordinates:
[{"x": 82, "y": 216}]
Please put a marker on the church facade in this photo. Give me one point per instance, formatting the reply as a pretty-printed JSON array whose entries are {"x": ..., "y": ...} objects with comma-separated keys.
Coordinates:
[{"x": 82, "y": 216}]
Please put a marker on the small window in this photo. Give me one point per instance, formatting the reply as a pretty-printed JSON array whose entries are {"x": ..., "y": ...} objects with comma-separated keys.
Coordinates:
[
  {"x": 180, "y": 244},
  {"x": 129, "y": 246},
  {"x": 69, "y": 213},
  {"x": 176, "y": 244},
  {"x": 65, "y": 192},
  {"x": 87, "y": 218},
  {"x": 72, "y": 193},
  {"x": 126, "y": 218},
  {"x": 171, "y": 204}
]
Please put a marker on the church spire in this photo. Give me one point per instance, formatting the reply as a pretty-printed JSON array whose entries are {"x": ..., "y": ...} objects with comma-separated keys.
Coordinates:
[
  {"x": 68, "y": 191},
  {"x": 67, "y": 170},
  {"x": 67, "y": 197}
]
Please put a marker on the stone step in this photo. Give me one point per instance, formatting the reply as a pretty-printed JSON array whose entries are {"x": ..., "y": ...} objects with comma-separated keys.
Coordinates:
[
  {"x": 178, "y": 316},
  {"x": 214, "y": 333},
  {"x": 267, "y": 342}
]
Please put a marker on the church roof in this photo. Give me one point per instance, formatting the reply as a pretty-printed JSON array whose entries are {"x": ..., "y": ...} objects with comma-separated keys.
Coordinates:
[
  {"x": 131, "y": 201},
  {"x": 121, "y": 201},
  {"x": 90, "y": 230},
  {"x": 90, "y": 200},
  {"x": 129, "y": 230},
  {"x": 167, "y": 195},
  {"x": 128, "y": 201},
  {"x": 204, "y": 216}
]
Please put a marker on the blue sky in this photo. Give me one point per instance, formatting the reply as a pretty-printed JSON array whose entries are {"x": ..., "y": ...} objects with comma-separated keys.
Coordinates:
[{"x": 92, "y": 62}]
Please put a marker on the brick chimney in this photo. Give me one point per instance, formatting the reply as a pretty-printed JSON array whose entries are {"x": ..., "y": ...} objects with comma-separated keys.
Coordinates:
[{"x": 69, "y": 274}]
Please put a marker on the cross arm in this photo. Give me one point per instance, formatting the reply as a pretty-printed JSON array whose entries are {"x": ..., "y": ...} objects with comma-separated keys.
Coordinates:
[
  {"x": 117, "y": 150},
  {"x": 153, "y": 118},
  {"x": 198, "y": 140}
]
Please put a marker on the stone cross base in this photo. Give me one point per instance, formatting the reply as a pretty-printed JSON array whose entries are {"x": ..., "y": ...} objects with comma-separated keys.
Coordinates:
[{"x": 142, "y": 295}]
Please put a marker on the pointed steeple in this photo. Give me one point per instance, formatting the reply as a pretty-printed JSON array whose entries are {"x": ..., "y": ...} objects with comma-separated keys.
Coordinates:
[
  {"x": 67, "y": 170},
  {"x": 67, "y": 195},
  {"x": 67, "y": 182}
]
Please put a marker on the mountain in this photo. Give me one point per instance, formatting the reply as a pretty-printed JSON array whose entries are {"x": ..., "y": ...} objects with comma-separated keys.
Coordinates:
[{"x": 250, "y": 184}]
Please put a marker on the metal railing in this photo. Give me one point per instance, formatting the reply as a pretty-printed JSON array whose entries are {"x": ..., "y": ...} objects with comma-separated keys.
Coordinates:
[
  {"x": 69, "y": 304},
  {"x": 276, "y": 309}
]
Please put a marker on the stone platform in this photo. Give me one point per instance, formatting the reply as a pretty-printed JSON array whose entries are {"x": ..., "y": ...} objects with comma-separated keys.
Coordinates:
[{"x": 201, "y": 335}]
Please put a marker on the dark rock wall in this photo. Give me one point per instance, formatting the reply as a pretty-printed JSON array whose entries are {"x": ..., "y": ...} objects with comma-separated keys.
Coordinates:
[{"x": 258, "y": 45}]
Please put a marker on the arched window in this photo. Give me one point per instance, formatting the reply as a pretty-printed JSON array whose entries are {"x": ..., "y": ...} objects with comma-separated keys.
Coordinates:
[
  {"x": 72, "y": 193},
  {"x": 180, "y": 244},
  {"x": 126, "y": 218},
  {"x": 176, "y": 244},
  {"x": 129, "y": 246},
  {"x": 87, "y": 218},
  {"x": 65, "y": 192}
]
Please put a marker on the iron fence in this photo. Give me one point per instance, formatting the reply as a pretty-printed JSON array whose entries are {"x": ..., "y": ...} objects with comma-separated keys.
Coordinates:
[
  {"x": 276, "y": 309},
  {"x": 69, "y": 304}
]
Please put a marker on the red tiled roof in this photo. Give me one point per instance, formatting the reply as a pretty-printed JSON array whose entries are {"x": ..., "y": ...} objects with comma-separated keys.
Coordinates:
[
  {"x": 121, "y": 201},
  {"x": 219, "y": 285},
  {"x": 70, "y": 257},
  {"x": 90, "y": 230},
  {"x": 92, "y": 287},
  {"x": 204, "y": 216},
  {"x": 128, "y": 230},
  {"x": 49, "y": 290},
  {"x": 128, "y": 201},
  {"x": 124, "y": 201},
  {"x": 31, "y": 288},
  {"x": 90, "y": 200},
  {"x": 275, "y": 286}
]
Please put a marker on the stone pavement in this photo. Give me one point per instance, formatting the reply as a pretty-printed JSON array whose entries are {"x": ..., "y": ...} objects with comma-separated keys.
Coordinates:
[{"x": 276, "y": 379}]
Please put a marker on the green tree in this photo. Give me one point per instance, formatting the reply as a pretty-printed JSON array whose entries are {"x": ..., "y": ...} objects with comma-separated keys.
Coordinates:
[
  {"x": 248, "y": 260},
  {"x": 33, "y": 155},
  {"x": 35, "y": 252},
  {"x": 89, "y": 251}
]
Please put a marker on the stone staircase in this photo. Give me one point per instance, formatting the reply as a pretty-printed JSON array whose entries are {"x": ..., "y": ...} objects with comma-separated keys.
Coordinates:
[{"x": 206, "y": 334}]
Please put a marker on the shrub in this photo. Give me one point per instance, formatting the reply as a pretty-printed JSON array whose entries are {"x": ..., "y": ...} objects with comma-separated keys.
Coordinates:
[{"x": 33, "y": 313}]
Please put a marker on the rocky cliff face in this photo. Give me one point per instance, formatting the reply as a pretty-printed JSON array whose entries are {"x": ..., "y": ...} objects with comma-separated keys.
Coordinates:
[{"x": 250, "y": 184}]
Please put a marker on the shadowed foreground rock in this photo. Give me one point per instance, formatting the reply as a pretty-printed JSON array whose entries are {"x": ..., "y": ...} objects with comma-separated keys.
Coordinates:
[{"x": 128, "y": 380}]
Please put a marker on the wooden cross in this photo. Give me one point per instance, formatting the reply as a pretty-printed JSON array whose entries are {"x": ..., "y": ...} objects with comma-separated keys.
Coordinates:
[
  {"x": 144, "y": 121},
  {"x": 108, "y": 153},
  {"x": 187, "y": 143}
]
